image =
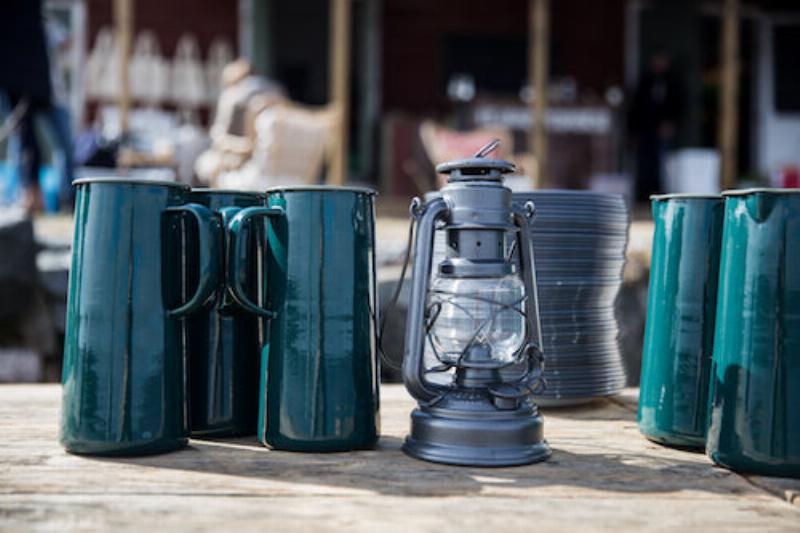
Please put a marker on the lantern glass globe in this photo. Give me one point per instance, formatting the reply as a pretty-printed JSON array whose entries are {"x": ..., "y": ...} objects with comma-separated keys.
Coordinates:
[{"x": 484, "y": 313}]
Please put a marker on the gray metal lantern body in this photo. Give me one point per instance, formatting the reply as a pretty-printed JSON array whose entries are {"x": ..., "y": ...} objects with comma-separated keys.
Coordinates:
[{"x": 481, "y": 418}]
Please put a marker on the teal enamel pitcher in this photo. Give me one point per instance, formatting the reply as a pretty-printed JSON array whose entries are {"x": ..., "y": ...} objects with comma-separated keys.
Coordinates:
[
  {"x": 124, "y": 376},
  {"x": 679, "y": 332},
  {"x": 319, "y": 370},
  {"x": 755, "y": 382},
  {"x": 224, "y": 339}
]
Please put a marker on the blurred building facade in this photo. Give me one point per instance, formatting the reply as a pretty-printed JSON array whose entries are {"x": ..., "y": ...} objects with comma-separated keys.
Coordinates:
[{"x": 464, "y": 64}]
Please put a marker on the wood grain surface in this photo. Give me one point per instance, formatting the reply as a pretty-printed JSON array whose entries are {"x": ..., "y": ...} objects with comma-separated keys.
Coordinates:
[{"x": 603, "y": 476}]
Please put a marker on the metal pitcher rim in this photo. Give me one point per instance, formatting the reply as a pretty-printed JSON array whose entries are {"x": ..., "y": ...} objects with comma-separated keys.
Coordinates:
[
  {"x": 685, "y": 196},
  {"x": 131, "y": 181},
  {"x": 322, "y": 188},
  {"x": 760, "y": 190}
]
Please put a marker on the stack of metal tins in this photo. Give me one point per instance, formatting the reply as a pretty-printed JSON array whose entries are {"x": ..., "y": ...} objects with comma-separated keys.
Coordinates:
[{"x": 579, "y": 240}]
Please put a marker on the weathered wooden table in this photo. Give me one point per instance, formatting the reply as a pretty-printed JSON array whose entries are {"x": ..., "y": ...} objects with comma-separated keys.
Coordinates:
[{"x": 603, "y": 475}]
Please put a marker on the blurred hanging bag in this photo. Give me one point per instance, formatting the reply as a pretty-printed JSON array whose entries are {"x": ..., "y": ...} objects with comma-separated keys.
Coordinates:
[
  {"x": 220, "y": 53},
  {"x": 102, "y": 77},
  {"x": 149, "y": 71},
  {"x": 188, "y": 76}
]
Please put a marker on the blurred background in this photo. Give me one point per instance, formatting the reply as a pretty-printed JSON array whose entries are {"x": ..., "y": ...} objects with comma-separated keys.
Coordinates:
[{"x": 627, "y": 96}]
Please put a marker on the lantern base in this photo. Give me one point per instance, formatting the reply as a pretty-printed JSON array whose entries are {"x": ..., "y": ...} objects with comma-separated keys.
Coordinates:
[{"x": 465, "y": 428}]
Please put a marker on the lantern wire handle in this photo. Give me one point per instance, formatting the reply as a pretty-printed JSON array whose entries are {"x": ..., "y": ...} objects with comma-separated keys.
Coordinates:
[
  {"x": 488, "y": 148},
  {"x": 416, "y": 206}
]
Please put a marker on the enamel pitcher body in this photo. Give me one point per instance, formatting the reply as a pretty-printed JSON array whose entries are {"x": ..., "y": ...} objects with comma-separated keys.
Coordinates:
[
  {"x": 124, "y": 377},
  {"x": 679, "y": 334},
  {"x": 223, "y": 338},
  {"x": 755, "y": 381},
  {"x": 319, "y": 369}
]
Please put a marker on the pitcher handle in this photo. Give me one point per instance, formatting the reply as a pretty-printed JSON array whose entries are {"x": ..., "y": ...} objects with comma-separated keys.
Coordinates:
[
  {"x": 237, "y": 254},
  {"x": 209, "y": 237}
]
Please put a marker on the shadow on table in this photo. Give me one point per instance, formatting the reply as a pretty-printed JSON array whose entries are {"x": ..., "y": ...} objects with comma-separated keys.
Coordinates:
[{"x": 387, "y": 470}]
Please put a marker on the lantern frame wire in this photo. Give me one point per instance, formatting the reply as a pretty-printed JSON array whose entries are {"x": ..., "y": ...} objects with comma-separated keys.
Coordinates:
[
  {"x": 498, "y": 308},
  {"x": 531, "y": 381}
]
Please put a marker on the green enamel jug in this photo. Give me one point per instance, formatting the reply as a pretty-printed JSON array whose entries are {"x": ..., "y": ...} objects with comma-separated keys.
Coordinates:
[
  {"x": 755, "y": 382},
  {"x": 319, "y": 370},
  {"x": 224, "y": 339},
  {"x": 679, "y": 332},
  {"x": 124, "y": 376}
]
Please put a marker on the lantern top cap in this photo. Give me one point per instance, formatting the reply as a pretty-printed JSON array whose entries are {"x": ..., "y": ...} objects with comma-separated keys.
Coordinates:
[{"x": 477, "y": 167}]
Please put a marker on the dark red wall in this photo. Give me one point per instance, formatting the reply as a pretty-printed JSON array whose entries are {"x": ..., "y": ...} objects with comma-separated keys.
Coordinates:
[
  {"x": 412, "y": 43},
  {"x": 587, "y": 43}
]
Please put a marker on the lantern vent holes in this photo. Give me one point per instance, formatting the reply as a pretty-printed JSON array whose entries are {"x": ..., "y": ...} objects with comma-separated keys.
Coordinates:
[{"x": 474, "y": 171}]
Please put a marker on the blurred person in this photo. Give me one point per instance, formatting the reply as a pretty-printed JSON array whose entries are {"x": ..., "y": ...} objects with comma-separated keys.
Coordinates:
[
  {"x": 655, "y": 112},
  {"x": 57, "y": 116},
  {"x": 26, "y": 79}
]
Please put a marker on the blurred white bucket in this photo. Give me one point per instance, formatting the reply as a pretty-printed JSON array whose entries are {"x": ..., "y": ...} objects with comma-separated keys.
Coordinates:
[
  {"x": 611, "y": 182},
  {"x": 692, "y": 170}
]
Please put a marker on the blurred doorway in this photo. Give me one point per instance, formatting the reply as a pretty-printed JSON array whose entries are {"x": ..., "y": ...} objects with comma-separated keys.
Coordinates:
[{"x": 769, "y": 114}]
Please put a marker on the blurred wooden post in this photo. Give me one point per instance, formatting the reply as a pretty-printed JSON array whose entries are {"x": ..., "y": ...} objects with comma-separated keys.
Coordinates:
[
  {"x": 339, "y": 86},
  {"x": 729, "y": 94},
  {"x": 538, "y": 69},
  {"x": 123, "y": 29}
]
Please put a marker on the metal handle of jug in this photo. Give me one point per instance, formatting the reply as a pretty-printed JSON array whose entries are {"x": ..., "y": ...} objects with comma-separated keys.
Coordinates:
[
  {"x": 237, "y": 257},
  {"x": 209, "y": 237}
]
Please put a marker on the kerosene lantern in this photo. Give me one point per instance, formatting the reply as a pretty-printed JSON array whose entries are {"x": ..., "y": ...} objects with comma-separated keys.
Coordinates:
[{"x": 479, "y": 315}]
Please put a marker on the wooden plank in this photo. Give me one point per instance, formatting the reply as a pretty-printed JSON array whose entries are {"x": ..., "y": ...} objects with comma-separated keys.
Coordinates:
[
  {"x": 340, "y": 86},
  {"x": 788, "y": 489},
  {"x": 603, "y": 475},
  {"x": 123, "y": 29},
  {"x": 538, "y": 70},
  {"x": 729, "y": 94}
]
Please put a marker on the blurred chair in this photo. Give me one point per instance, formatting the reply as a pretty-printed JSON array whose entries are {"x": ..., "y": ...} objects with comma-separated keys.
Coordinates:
[
  {"x": 291, "y": 146},
  {"x": 242, "y": 97}
]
